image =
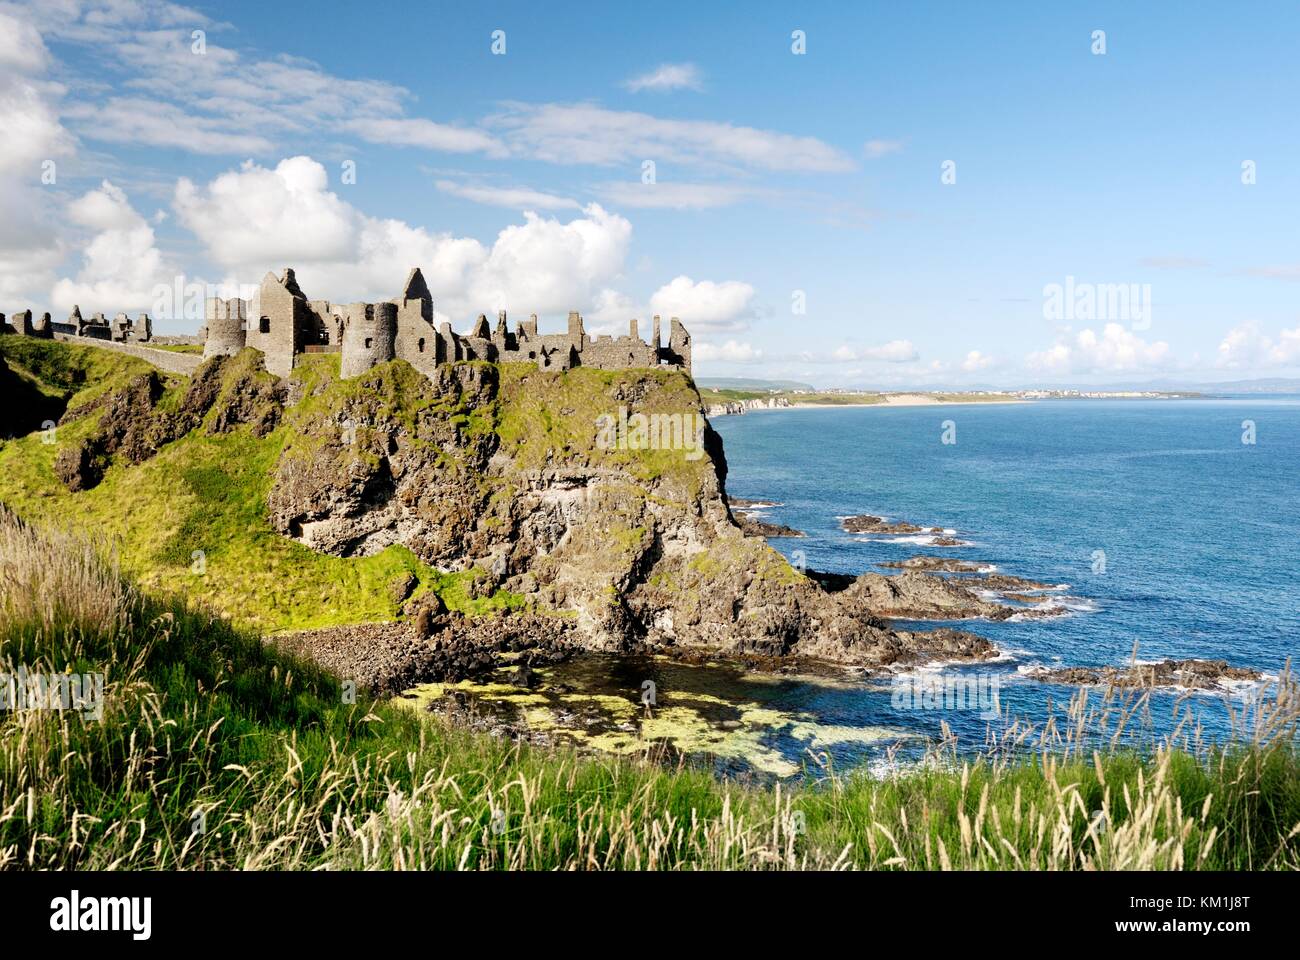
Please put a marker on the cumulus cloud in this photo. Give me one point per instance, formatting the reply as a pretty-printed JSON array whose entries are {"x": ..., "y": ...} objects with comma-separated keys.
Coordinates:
[
  {"x": 895, "y": 351},
  {"x": 1114, "y": 350},
  {"x": 976, "y": 361},
  {"x": 121, "y": 265},
  {"x": 516, "y": 198},
  {"x": 732, "y": 351},
  {"x": 667, "y": 77},
  {"x": 1246, "y": 345},
  {"x": 255, "y": 217},
  {"x": 706, "y": 305},
  {"x": 30, "y": 244}
]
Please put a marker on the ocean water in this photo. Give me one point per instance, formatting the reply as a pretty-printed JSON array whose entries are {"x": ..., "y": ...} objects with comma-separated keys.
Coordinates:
[{"x": 1174, "y": 535}]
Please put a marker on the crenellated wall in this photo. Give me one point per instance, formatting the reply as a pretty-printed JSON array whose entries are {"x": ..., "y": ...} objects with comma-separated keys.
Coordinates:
[{"x": 285, "y": 324}]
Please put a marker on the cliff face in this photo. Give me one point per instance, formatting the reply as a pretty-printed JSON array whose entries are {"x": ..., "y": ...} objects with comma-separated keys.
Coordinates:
[
  {"x": 595, "y": 497},
  {"x": 504, "y": 468}
]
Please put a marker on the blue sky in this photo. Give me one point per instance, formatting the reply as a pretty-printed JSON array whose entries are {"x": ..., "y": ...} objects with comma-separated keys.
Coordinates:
[{"x": 780, "y": 179}]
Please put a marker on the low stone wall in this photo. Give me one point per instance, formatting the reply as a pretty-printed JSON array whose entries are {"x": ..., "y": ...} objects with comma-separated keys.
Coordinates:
[{"x": 168, "y": 360}]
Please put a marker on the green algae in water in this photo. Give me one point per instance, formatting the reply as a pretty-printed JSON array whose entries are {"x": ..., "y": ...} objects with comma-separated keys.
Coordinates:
[{"x": 740, "y": 721}]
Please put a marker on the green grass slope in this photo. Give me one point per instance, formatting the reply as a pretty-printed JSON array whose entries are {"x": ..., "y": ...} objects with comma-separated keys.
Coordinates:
[{"x": 193, "y": 519}]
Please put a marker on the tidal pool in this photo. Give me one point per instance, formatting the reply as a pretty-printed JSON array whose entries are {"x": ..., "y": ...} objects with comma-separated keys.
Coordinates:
[{"x": 739, "y": 722}]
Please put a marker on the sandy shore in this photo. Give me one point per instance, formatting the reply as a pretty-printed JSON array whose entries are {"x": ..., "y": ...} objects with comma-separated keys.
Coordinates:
[{"x": 901, "y": 400}]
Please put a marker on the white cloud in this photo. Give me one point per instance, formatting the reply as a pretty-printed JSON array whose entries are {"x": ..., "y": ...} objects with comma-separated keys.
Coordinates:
[
  {"x": 256, "y": 217},
  {"x": 672, "y": 195},
  {"x": 121, "y": 265},
  {"x": 219, "y": 100},
  {"x": 976, "y": 361},
  {"x": 516, "y": 198},
  {"x": 22, "y": 49},
  {"x": 137, "y": 120},
  {"x": 666, "y": 77},
  {"x": 1174, "y": 263},
  {"x": 895, "y": 351},
  {"x": 30, "y": 242},
  {"x": 253, "y": 219},
  {"x": 419, "y": 132},
  {"x": 1246, "y": 345},
  {"x": 586, "y": 133},
  {"x": 875, "y": 149},
  {"x": 1288, "y": 271},
  {"x": 610, "y": 312},
  {"x": 705, "y": 305},
  {"x": 1115, "y": 350},
  {"x": 733, "y": 351}
]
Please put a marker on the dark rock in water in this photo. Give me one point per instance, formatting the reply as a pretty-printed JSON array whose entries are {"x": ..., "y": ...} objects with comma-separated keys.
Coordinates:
[
  {"x": 908, "y": 646},
  {"x": 755, "y": 527},
  {"x": 1189, "y": 674},
  {"x": 934, "y": 565},
  {"x": 866, "y": 523},
  {"x": 741, "y": 503},
  {"x": 1003, "y": 582},
  {"x": 920, "y": 596}
]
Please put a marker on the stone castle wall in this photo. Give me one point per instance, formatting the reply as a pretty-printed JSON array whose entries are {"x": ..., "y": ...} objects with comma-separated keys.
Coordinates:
[
  {"x": 168, "y": 360},
  {"x": 284, "y": 325}
]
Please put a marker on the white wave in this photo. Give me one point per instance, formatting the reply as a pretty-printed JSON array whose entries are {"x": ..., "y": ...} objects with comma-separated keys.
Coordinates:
[{"x": 922, "y": 539}]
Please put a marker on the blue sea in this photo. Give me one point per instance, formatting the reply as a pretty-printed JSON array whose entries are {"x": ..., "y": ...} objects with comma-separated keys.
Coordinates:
[{"x": 1174, "y": 535}]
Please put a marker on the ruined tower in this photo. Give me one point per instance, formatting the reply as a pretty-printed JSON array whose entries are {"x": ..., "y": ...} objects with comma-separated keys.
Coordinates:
[
  {"x": 285, "y": 324},
  {"x": 225, "y": 327},
  {"x": 417, "y": 341},
  {"x": 369, "y": 336}
]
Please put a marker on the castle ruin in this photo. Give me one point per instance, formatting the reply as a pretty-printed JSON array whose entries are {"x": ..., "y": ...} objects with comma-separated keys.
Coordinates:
[
  {"x": 121, "y": 329},
  {"x": 288, "y": 325}
]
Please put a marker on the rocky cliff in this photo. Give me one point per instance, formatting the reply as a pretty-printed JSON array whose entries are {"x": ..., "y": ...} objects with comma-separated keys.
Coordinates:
[
  {"x": 494, "y": 481},
  {"x": 500, "y": 469}
]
